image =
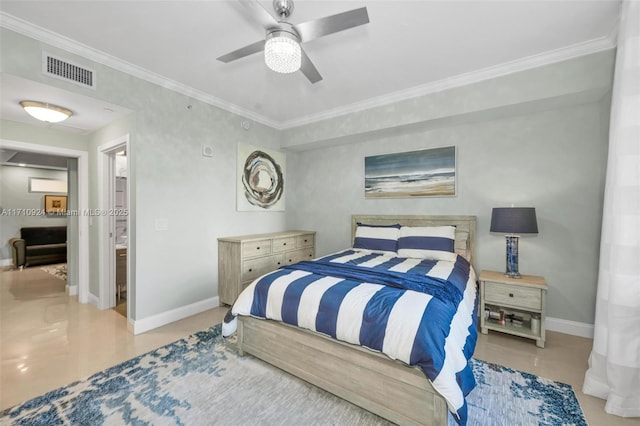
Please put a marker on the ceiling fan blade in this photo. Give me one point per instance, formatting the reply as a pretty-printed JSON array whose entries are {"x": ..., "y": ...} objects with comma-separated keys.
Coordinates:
[
  {"x": 308, "y": 69},
  {"x": 259, "y": 13},
  {"x": 242, "y": 52},
  {"x": 311, "y": 30}
]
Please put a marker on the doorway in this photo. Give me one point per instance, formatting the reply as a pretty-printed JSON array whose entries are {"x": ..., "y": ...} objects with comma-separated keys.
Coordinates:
[
  {"x": 114, "y": 222},
  {"x": 78, "y": 238}
]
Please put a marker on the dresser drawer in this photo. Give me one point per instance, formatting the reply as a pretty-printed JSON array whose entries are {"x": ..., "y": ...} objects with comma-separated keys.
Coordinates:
[
  {"x": 304, "y": 241},
  {"x": 529, "y": 298},
  {"x": 283, "y": 244},
  {"x": 256, "y": 248},
  {"x": 298, "y": 255},
  {"x": 253, "y": 268}
]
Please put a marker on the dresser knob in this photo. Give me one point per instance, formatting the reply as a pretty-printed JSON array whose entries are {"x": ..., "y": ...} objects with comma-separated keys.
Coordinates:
[
  {"x": 257, "y": 248},
  {"x": 284, "y": 244},
  {"x": 510, "y": 294},
  {"x": 250, "y": 269}
]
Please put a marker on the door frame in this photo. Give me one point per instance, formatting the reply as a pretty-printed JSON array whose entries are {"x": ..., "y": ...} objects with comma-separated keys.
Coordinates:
[
  {"x": 106, "y": 222},
  {"x": 83, "y": 204}
]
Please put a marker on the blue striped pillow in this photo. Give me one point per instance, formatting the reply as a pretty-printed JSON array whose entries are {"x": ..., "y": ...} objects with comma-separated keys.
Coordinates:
[
  {"x": 377, "y": 238},
  {"x": 431, "y": 242}
]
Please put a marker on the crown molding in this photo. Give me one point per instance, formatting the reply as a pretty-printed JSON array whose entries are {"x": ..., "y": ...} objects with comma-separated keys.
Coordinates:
[
  {"x": 546, "y": 58},
  {"x": 72, "y": 46}
]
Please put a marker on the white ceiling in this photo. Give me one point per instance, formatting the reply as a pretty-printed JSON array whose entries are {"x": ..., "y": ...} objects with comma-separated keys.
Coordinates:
[
  {"x": 89, "y": 114},
  {"x": 408, "y": 48}
]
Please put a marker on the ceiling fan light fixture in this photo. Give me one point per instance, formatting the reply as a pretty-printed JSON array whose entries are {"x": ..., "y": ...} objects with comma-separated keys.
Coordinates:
[
  {"x": 282, "y": 52},
  {"x": 46, "y": 112}
]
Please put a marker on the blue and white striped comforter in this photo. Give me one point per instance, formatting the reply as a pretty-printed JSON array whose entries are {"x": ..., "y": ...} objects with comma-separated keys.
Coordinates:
[{"x": 421, "y": 312}]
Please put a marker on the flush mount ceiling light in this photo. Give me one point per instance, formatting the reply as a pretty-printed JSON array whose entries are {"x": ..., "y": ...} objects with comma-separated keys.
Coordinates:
[{"x": 46, "y": 112}]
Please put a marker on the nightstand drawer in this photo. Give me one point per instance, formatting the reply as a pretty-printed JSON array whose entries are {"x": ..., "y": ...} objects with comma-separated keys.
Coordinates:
[{"x": 529, "y": 298}]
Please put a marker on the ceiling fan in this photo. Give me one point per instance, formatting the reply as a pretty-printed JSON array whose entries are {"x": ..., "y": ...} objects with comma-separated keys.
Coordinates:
[{"x": 283, "y": 52}]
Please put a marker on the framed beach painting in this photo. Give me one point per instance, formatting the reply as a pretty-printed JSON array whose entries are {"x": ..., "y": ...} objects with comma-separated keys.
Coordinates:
[
  {"x": 424, "y": 173},
  {"x": 260, "y": 179}
]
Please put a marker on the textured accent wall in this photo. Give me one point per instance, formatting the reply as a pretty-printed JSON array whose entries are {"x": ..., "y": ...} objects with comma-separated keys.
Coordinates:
[{"x": 549, "y": 154}]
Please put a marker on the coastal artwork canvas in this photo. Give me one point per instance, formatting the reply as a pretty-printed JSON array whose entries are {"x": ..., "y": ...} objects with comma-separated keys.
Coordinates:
[
  {"x": 260, "y": 179},
  {"x": 424, "y": 173}
]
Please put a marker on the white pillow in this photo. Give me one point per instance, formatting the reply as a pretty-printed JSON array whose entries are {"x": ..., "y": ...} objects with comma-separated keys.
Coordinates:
[
  {"x": 429, "y": 242},
  {"x": 377, "y": 238}
]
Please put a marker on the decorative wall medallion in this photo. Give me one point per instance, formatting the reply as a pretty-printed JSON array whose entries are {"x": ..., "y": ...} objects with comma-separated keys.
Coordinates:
[{"x": 260, "y": 179}]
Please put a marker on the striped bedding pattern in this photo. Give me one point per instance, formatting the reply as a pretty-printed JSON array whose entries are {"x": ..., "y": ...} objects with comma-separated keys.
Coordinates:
[{"x": 418, "y": 311}]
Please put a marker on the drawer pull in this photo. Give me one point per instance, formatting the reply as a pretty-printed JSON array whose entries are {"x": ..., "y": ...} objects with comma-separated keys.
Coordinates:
[
  {"x": 289, "y": 260},
  {"x": 258, "y": 248},
  {"x": 284, "y": 244},
  {"x": 250, "y": 269},
  {"x": 306, "y": 241},
  {"x": 278, "y": 263},
  {"x": 510, "y": 294}
]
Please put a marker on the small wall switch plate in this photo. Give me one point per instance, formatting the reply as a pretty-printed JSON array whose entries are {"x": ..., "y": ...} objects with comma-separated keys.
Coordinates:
[
  {"x": 162, "y": 224},
  {"x": 207, "y": 151}
]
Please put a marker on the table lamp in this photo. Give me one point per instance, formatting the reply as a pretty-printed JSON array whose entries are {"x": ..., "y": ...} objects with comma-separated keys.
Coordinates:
[{"x": 513, "y": 221}]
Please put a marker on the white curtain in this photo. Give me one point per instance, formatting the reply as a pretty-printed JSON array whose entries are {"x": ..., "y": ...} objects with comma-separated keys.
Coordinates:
[{"x": 614, "y": 364}]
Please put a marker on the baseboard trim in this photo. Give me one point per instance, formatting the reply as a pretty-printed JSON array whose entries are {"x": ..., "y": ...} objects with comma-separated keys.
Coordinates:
[
  {"x": 158, "y": 320},
  {"x": 72, "y": 290},
  {"x": 93, "y": 300},
  {"x": 6, "y": 262},
  {"x": 569, "y": 327}
]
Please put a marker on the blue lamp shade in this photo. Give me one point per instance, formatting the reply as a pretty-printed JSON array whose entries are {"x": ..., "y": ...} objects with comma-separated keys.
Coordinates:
[{"x": 513, "y": 221}]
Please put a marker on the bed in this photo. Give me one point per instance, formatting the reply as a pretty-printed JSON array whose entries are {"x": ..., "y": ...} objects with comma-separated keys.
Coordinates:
[{"x": 345, "y": 350}]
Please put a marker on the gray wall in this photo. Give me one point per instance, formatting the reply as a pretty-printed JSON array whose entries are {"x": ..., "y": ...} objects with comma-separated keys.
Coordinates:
[
  {"x": 531, "y": 139},
  {"x": 553, "y": 160},
  {"x": 14, "y": 191},
  {"x": 170, "y": 179},
  {"x": 535, "y": 138}
]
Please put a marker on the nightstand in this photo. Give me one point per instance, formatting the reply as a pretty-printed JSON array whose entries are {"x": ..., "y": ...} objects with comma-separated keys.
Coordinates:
[{"x": 513, "y": 305}]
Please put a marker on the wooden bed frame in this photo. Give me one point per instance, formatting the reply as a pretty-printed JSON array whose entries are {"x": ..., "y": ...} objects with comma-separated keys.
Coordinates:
[{"x": 371, "y": 380}]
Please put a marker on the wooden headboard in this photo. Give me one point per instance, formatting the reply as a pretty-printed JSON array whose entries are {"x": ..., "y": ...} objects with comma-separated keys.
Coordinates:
[{"x": 462, "y": 223}]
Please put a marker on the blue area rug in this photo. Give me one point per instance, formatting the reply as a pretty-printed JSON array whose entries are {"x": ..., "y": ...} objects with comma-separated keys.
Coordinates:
[{"x": 202, "y": 380}]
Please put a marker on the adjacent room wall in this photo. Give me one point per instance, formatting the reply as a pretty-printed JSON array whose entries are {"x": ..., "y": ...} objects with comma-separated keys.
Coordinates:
[{"x": 14, "y": 188}]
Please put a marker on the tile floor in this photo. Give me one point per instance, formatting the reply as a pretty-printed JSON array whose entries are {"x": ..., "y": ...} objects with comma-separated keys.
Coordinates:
[{"x": 48, "y": 340}]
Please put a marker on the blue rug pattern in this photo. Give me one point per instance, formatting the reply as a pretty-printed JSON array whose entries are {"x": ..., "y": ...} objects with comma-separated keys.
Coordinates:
[{"x": 202, "y": 380}]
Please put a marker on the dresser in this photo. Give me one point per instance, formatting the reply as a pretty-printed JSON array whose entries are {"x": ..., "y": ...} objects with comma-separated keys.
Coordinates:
[
  {"x": 243, "y": 258},
  {"x": 513, "y": 305}
]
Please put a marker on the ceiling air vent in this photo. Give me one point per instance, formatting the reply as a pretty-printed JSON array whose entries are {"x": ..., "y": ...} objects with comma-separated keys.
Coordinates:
[{"x": 67, "y": 71}]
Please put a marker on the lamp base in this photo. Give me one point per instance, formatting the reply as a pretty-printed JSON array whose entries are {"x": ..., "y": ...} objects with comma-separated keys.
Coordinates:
[{"x": 512, "y": 257}]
